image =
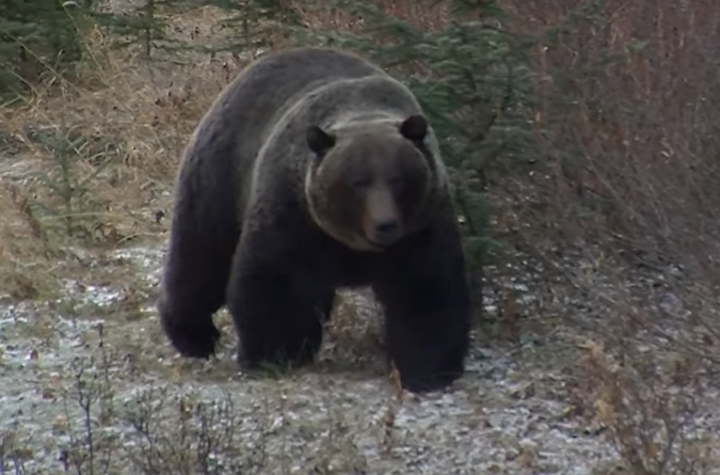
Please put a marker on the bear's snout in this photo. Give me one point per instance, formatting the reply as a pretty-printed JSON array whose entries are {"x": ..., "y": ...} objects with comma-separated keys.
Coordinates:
[
  {"x": 382, "y": 225},
  {"x": 386, "y": 232},
  {"x": 383, "y": 231}
]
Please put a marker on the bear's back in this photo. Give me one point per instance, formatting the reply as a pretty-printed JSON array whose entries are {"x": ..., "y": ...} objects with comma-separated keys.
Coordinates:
[
  {"x": 232, "y": 132},
  {"x": 264, "y": 90},
  {"x": 277, "y": 80}
]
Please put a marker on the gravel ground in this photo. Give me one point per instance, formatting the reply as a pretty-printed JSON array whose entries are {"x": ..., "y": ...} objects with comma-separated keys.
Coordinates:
[{"x": 509, "y": 414}]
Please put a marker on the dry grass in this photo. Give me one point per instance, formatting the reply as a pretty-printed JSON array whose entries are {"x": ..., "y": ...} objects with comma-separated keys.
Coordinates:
[
  {"x": 642, "y": 132},
  {"x": 135, "y": 117},
  {"x": 642, "y": 184}
]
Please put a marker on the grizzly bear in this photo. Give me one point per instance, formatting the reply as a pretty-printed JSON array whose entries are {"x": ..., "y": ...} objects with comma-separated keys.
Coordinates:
[{"x": 316, "y": 170}]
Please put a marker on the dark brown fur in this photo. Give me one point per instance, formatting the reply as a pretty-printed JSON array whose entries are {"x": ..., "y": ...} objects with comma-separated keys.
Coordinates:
[
  {"x": 316, "y": 170},
  {"x": 373, "y": 185}
]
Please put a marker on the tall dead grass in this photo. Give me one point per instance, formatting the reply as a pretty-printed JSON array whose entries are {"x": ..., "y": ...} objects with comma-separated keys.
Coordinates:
[
  {"x": 634, "y": 173},
  {"x": 134, "y": 117},
  {"x": 644, "y": 130}
]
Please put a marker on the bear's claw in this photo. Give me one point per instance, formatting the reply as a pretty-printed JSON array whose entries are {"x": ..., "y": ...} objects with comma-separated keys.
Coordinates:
[{"x": 194, "y": 342}]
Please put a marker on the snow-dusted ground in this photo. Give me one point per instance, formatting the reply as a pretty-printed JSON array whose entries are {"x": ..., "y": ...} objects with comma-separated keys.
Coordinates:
[{"x": 509, "y": 414}]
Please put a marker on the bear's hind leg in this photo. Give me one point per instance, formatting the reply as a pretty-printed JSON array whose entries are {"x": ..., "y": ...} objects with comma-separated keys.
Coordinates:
[
  {"x": 423, "y": 289},
  {"x": 279, "y": 320}
]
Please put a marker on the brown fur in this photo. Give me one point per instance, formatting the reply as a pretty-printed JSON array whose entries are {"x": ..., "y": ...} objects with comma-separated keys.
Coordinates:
[
  {"x": 308, "y": 160},
  {"x": 372, "y": 177}
]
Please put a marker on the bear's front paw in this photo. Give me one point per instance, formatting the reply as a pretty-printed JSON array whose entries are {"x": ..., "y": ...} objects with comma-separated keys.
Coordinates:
[
  {"x": 193, "y": 341},
  {"x": 421, "y": 383}
]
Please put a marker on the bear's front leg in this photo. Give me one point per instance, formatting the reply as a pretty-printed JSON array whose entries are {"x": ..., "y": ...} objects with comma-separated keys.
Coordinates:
[
  {"x": 195, "y": 274},
  {"x": 423, "y": 288},
  {"x": 278, "y": 316}
]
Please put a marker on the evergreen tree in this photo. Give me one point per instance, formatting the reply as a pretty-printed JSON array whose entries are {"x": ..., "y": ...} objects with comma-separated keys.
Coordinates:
[
  {"x": 255, "y": 22},
  {"x": 36, "y": 36},
  {"x": 141, "y": 26}
]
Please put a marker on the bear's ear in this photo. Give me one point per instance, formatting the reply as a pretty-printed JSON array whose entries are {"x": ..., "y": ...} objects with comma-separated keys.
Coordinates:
[
  {"x": 414, "y": 128},
  {"x": 318, "y": 140}
]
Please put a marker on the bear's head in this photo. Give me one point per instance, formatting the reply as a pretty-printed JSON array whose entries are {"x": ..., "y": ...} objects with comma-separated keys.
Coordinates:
[{"x": 369, "y": 181}]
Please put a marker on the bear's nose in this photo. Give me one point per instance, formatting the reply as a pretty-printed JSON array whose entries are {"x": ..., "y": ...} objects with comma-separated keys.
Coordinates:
[{"x": 386, "y": 228}]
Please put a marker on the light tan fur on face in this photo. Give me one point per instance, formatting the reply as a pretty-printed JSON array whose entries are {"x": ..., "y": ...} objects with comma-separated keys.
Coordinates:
[
  {"x": 380, "y": 207},
  {"x": 354, "y": 189},
  {"x": 350, "y": 239}
]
